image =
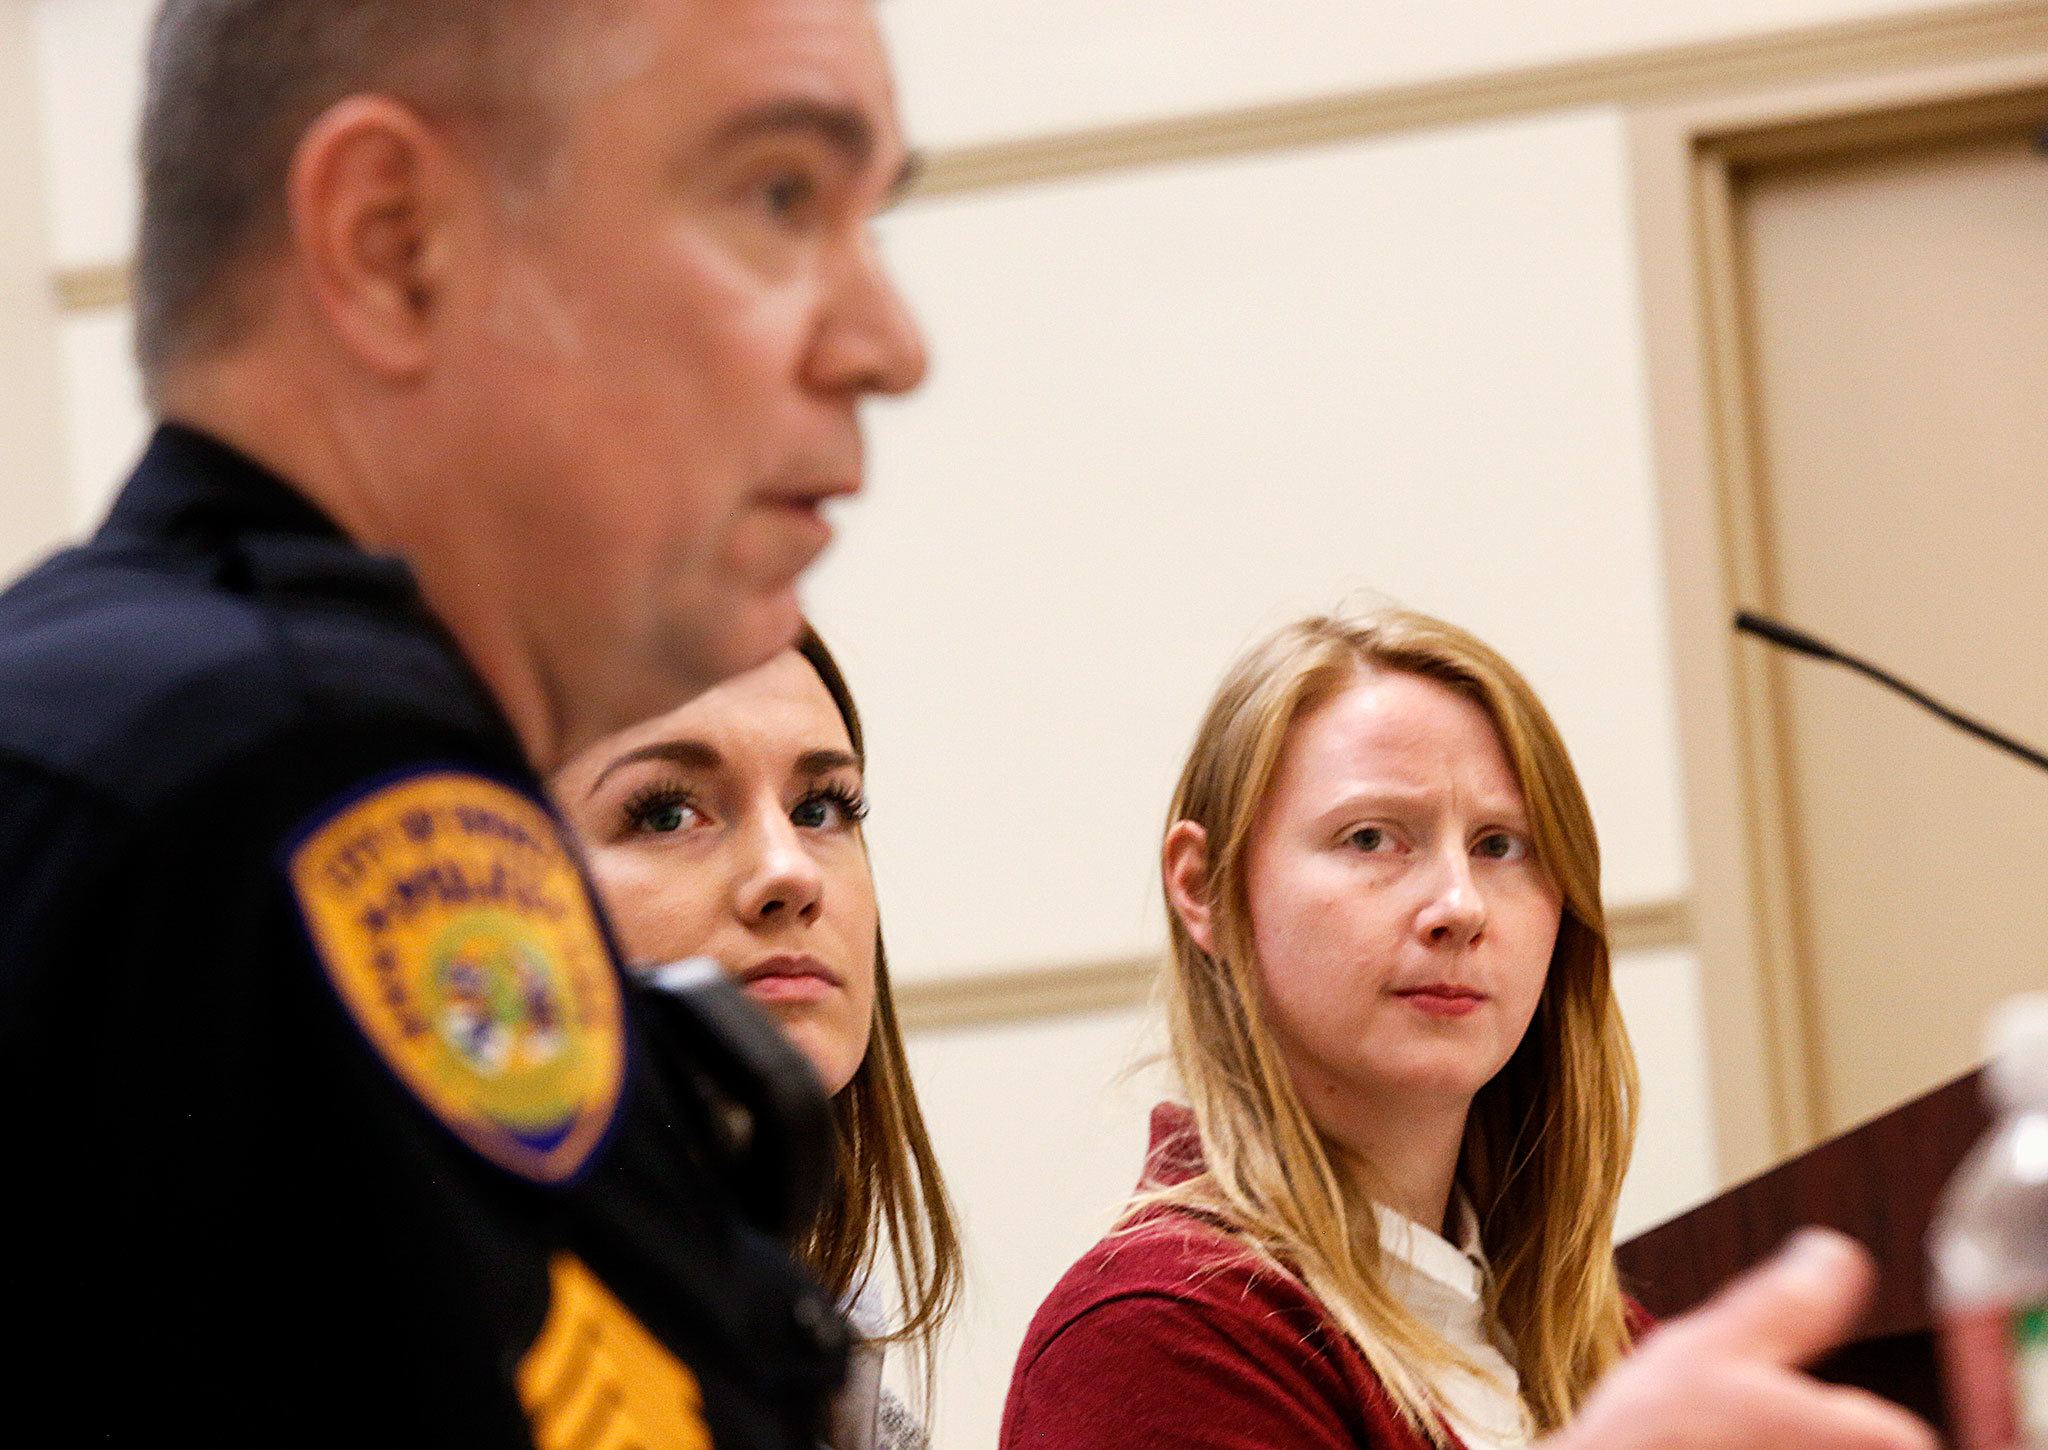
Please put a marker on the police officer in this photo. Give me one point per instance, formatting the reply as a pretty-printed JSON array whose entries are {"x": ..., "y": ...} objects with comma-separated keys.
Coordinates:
[{"x": 507, "y": 354}]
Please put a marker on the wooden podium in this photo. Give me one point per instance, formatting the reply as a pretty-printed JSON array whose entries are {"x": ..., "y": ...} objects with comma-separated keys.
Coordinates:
[{"x": 1877, "y": 1183}]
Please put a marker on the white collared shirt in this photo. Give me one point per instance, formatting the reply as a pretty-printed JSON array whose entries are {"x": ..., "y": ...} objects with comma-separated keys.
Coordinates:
[{"x": 1441, "y": 1283}]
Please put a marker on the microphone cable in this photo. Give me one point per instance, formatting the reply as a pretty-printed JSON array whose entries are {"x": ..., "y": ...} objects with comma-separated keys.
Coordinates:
[{"x": 1800, "y": 642}]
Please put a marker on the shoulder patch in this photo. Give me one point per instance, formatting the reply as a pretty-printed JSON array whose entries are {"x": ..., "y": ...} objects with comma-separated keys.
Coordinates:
[{"x": 459, "y": 933}]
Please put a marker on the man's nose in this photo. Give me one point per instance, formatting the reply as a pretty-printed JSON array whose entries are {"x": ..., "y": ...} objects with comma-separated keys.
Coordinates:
[
  {"x": 783, "y": 882},
  {"x": 868, "y": 340},
  {"x": 1454, "y": 912}
]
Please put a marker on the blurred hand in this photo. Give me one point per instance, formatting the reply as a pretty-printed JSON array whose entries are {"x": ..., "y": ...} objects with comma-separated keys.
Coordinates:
[{"x": 1725, "y": 1377}]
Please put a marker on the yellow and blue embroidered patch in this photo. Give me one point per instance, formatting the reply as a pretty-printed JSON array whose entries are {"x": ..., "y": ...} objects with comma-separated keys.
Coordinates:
[{"x": 459, "y": 934}]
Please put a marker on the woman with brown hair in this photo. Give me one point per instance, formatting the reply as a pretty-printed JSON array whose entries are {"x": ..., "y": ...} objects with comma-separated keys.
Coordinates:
[
  {"x": 731, "y": 828},
  {"x": 1384, "y": 1215}
]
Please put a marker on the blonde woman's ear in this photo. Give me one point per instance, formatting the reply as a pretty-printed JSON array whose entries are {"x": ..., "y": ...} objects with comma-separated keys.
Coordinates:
[{"x": 1184, "y": 863}]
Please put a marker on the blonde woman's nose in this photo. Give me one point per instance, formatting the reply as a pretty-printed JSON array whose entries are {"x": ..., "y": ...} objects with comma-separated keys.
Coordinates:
[{"x": 1454, "y": 912}]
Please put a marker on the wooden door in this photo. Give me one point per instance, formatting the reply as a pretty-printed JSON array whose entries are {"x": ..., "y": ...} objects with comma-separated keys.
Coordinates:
[{"x": 1895, "y": 310}]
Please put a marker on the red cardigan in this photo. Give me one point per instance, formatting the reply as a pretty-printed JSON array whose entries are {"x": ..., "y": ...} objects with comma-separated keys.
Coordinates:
[{"x": 1173, "y": 1337}]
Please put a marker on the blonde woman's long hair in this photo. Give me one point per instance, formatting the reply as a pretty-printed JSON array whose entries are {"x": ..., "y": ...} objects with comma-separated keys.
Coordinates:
[{"x": 1547, "y": 1140}]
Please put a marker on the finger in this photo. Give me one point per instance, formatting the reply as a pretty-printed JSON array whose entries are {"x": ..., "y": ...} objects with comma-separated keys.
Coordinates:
[
  {"x": 1788, "y": 1410},
  {"x": 1791, "y": 1309},
  {"x": 1782, "y": 1410},
  {"x": 1860, "y": 1420}
]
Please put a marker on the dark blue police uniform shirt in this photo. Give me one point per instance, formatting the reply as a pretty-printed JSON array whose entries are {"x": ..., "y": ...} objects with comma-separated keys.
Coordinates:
[{"x": 224, "y": 1211}]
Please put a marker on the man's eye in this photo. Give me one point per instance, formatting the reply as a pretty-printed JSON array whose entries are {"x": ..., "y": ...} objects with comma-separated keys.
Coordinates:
[
  {"x": 1501, "y": 846},
  {"x": 660, "y": 812},
  {"x": 788, "y": 194}
]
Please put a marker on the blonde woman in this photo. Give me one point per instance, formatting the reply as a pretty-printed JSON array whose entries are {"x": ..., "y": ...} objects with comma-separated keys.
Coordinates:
[
  {"x": 1383, "y": 1216},
  {"x": 731, "y": 827}
]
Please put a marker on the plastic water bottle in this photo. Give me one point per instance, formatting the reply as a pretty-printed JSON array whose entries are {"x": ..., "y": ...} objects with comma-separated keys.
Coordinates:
[{"x": 1989, "y": 1246}]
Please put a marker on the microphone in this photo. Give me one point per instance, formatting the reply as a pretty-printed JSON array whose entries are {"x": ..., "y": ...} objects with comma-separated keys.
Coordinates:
[{"x": 1800, "y": 642}]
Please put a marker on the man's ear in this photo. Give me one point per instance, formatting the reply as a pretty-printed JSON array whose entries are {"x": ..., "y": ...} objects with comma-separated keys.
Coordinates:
[
  {"x": 371, "y": 208},
  {"x": 1184, "y": 864}
]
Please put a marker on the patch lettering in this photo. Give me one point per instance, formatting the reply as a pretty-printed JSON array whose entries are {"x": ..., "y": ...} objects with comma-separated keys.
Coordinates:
[{"x": 457, "y": 930}]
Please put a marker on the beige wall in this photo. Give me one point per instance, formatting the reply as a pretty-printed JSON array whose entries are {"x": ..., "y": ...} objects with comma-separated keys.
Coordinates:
[
  {"x": 1002, "y": 68},
  {"x": 31, "y": 421},
  {"x": 90, "y": 56},
  {"x": 1173, "y": 408}
]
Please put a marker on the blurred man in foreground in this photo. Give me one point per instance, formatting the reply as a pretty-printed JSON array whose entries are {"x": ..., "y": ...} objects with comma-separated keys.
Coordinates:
[{"x": 508, "y": 355}]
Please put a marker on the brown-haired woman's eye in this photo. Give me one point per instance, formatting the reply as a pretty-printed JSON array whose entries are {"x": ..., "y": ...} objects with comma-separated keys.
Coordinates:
[
  {"x": 830, "y": 807},
  {"x": 659, "y": 811}
]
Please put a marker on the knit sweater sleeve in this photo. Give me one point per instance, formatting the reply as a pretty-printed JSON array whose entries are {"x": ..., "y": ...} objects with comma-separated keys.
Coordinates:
[
  {"x": 1151, "y": 1372},
  {"x": 1147, "y": 1348}
]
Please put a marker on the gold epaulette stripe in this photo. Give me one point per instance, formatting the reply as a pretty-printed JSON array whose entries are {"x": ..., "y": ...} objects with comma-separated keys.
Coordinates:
[{"x": 595, "y": 1379}]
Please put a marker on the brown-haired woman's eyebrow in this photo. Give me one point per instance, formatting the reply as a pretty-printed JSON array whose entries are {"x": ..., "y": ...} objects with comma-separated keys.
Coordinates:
[
  {"x": 814, "y": 763},
  {"x": 689, "y": 754}
]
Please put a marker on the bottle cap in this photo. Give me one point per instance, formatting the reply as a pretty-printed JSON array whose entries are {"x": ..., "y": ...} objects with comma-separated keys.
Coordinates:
[{"x": 2017, "y": 1041}]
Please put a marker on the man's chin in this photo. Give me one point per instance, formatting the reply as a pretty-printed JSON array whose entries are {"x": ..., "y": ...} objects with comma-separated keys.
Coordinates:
[
  {"x": 744, "y": 635},
  {"x": 689, "y": 651}
]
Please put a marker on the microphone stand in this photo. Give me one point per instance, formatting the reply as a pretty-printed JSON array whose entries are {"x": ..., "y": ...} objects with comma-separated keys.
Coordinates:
[{"x": 1800, "y": 642}]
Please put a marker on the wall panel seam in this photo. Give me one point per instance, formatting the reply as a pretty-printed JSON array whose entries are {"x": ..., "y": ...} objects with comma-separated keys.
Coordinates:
[
  {"x": 969, "y": 999},
  {"x": 1662, "y": 74}
]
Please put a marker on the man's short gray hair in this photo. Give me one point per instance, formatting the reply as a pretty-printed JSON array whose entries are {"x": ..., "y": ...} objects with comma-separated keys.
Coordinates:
[{"x": 233, "y": 86}]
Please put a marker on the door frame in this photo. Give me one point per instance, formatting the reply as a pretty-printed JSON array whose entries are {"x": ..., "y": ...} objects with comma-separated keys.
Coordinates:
[{"x": 1686, "y": 162}]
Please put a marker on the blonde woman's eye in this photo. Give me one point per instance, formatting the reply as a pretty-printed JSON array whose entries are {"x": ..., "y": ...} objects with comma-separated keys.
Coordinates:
[
  {"x": 1368, "y": 838},
  {"x": 1502, "y": 846}
]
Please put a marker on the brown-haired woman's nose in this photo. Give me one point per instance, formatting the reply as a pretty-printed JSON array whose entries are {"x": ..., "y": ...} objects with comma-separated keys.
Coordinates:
[{"x": 787, "y": 885}]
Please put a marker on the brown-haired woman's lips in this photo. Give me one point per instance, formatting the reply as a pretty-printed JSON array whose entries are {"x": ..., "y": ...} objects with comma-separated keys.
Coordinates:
[{"x": 790, "y": 977}]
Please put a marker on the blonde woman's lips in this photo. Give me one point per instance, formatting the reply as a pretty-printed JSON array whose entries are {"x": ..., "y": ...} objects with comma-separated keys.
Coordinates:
[{"x": 1443, "y": 999}]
